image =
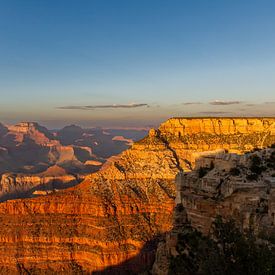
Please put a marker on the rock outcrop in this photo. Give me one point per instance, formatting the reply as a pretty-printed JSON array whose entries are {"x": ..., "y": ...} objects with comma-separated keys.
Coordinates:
[
  {"x": 189, "y": 137},
  {"x": 112, "y": 220},
  {"x": 14, "y": 186},
  {"x": 32, "y": 130},
  {"x": 231, "y": 186}
]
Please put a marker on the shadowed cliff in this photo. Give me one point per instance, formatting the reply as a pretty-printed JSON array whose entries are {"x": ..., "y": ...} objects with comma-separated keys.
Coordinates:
[{"x": 223, "y": 208}]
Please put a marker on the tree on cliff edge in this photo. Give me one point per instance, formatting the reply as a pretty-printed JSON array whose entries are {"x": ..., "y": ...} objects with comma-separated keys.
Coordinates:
[{"x": 228, "y": 251}]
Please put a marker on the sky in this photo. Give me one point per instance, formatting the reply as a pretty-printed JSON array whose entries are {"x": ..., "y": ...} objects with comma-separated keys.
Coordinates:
[{"x": 135, "y": 63}]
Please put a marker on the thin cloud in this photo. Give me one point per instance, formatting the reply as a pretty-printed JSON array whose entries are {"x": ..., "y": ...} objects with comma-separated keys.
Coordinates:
[
  {"x": 251, "y": 104},
  {"x": 191, "y": 103},
  {"x": 214, "y": 113},
  {"x": 224, "y": 102},
  {"x": 111, "y": 106},
  {"x": 270, "y": 102}
]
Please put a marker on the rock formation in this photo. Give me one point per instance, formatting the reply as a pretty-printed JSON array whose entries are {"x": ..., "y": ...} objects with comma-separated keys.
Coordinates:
[
  {"x": 25, "y": 185},
  {"x": 189, "y": 137},
  {"x": 40, "y": 135},
  {"x": 28, "y": 150},
  {"x": 112, "y": 220},
  {"x": 32, "y": 148},
  {"x": 238, "y": 187}
]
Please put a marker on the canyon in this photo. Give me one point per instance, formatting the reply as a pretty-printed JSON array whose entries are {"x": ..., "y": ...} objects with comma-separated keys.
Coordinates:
[
  {"x": 114, "y": 220},
  {"x": 35, "y": 160}
]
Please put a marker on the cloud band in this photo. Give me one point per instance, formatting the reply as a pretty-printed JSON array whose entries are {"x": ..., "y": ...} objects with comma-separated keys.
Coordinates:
[{"x": 111, "y": 106}]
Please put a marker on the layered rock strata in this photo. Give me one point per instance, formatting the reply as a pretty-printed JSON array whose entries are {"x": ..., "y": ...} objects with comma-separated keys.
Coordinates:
[
  {"x": 189, "y": 137},
  {"x": 239, "y": 187},
  {"x": 25, "y": 185},
  {"x": 111, "y": 221}
]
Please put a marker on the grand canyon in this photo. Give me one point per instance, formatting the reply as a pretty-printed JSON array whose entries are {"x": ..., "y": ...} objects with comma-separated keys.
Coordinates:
[
  {"x": 137, "y": 137},
  {"x": 121, "y": 214},
  {"x": 35, "y": 160}
]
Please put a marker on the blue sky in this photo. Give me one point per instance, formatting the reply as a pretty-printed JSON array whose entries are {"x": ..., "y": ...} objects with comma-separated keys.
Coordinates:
[{"x": 135, "y": 62}]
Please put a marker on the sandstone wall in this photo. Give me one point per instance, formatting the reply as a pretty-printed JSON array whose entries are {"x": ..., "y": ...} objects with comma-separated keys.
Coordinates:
[
  {"x": 22, "y": 185},
  {"x": 117, "y": 214}
]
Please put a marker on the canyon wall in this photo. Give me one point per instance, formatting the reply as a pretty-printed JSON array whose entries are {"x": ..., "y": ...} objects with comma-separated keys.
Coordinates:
[
  {"x": 14, "y": 186},
  {"x": 238, "y": 187},
  {"x": 113, "y": 220},
  {"x": 189, "y": 137}
]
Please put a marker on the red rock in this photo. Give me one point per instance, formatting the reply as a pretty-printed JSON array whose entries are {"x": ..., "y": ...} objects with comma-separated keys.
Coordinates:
[{"x": 112, "y": 217}]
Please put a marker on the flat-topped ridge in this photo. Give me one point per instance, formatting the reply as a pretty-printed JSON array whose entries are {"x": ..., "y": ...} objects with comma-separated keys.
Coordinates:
[
  {"x": 223, "y": 117},
  {"x": 187, "y": 138},
  {"x": 217, "y": 126}
]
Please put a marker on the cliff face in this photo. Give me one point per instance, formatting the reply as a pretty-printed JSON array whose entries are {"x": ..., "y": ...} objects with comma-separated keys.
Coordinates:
[
  {"x": 239, "y": 187},
  {"x": 33, "y": 131},
  {"x": 189, "y": 137},
  {"x": 117, "y": 215},
  {"x": 106, "y": 220},
  {"x": 23, "y": 185}
]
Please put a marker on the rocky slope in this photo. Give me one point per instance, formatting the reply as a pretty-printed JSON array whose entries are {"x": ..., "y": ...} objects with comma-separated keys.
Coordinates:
[
  {"x": 113, "y": 220},
  {"x": 238, "y": 187}
]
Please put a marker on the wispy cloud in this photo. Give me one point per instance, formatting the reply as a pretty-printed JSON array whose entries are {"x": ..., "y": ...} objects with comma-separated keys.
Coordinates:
[
  {"x": 270, "y": 102},
  {"x": 191, "y": 103},
  {"x": 224, "y": 102},
  {"x": 214, "y": 113},
  {"x": 250, "y": 104},
  {"x": 110, "y": 106}
]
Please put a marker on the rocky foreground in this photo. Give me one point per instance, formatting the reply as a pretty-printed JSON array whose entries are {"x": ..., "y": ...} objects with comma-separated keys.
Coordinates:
[
  {"x": 113, "y": 221},
  {"x": 235, "y": 187}
]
